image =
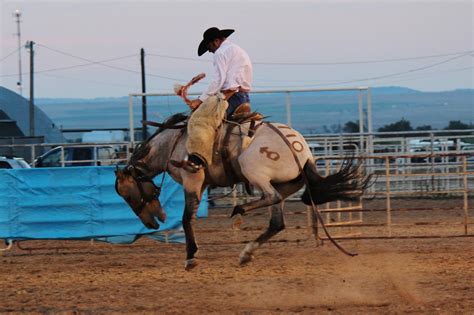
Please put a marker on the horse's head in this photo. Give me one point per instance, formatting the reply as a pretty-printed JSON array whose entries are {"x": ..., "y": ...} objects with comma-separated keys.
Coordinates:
[{"x": 141, "y": 194}]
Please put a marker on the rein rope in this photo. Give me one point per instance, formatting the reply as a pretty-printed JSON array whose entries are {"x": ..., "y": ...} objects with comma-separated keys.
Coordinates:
[{"x": 315, "y": 209}]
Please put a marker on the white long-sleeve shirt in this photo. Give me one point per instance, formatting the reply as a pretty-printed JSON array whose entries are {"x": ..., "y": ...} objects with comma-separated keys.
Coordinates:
[{"x": 232, "y": 70}]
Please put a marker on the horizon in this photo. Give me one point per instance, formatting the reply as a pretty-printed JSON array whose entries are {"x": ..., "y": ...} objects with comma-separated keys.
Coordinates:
[
  {"x": 378, "y": 88},
  {"x": 309, "y": 111},
  {"x": 171, "y": 93},
  {"x": 298, "y": 45}
]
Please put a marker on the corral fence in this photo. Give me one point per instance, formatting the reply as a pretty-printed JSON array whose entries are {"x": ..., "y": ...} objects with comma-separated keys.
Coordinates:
[
  {"x": 409, "y": 167},
  {"x": 423, "y": 184},
  {"x": 422, "y": 194}
]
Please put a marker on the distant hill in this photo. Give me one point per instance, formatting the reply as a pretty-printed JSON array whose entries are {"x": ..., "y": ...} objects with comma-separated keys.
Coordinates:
[
  {"x": 312, "y": 112},
  {"x": 376, "y": 91},
  {"x": 393, "y": 90}
]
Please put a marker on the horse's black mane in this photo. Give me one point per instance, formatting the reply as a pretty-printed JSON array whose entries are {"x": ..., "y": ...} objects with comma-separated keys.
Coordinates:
[{"x": 142, "y": 149}]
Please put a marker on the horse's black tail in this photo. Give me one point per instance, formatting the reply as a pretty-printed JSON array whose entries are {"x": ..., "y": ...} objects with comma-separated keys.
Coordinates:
[{"x": 347, "y": 184}]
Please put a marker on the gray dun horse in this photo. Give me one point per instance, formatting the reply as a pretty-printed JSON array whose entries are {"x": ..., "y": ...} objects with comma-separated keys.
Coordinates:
[{"x": 271, "y": 157}]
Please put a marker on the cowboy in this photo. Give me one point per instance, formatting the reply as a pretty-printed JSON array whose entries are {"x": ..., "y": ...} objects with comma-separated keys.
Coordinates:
[
  {"x": 232, "y": 67},
  {"x": 228, "y": 90}
]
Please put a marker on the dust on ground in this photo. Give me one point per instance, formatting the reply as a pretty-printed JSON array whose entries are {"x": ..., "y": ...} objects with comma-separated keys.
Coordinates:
[{"x": 388, "y": 276}]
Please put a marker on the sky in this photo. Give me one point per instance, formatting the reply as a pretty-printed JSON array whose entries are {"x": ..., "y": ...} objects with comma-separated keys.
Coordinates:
[{"x": 90, "y": 49}]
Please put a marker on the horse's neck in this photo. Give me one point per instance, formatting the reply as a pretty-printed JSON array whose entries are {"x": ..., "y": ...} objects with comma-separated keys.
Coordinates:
[{"x": 161, "y": 147}]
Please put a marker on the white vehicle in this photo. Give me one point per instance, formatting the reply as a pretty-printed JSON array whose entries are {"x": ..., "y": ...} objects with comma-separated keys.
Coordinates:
[
  {"x": 77, "y": 156},
  {"x": 468, "y": 148},
  {"x": 12, "y": 162}
]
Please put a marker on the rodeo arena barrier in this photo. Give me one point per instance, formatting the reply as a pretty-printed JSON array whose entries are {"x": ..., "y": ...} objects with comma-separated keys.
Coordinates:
[{"x": 422, "y": 187}]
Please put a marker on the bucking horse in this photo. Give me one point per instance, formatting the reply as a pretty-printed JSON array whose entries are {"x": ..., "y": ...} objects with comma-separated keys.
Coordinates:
[{"x": 271, "y": 157}]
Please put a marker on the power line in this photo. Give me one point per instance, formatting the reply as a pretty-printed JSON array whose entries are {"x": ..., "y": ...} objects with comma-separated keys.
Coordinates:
[
  {"x": 75, "y": 66},
  {"x": 361, "y": 62},
  {"x": 334, "y": 82},
  {"x": 425, "y": 75},
  {"x": 337, "y": 80},
  {"x": 106, "y": 65},
  {"x": 89, "y": 60},
  {"x": 3, "y": 58},
  {"x": 85, "y": 80},
  {"x": 84, "y": 64},
  {"x": 93, "y": 62},
  {"x": 381, "y": 76},
  {"x": 178, "y": 58},
  {"x": 323, "y": 63},
  {"x": 422, "y": 76}
]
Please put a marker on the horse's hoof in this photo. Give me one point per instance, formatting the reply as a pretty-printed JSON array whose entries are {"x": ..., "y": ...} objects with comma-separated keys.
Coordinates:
[
  {"x": 245, "y": 259},
  {"x": 190, "y": 264},
  {"x": 238, "y": 210},
  {"x": 237, "y": 223}
]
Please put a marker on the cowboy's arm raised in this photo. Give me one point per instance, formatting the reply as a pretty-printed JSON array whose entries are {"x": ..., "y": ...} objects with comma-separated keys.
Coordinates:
[{"x": 220, "y": 67}]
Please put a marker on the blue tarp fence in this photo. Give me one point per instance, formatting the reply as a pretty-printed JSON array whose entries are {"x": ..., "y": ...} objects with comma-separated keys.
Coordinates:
[{"x": 80, "y": 203}]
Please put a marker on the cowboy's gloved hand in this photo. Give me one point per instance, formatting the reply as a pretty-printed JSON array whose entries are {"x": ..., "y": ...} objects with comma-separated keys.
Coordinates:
[{"x": 195, "y": 104}]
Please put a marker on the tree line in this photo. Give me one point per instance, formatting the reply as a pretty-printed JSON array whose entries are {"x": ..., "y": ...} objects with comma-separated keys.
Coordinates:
[{"x": 405, "y": 125}]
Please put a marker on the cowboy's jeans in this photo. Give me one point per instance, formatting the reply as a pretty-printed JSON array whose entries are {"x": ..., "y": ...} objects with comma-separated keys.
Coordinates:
[{"x": 235, "y": 100}]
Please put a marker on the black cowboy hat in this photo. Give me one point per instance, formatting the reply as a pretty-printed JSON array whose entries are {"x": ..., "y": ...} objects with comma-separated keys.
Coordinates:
[{"x": 211, "y": 34}]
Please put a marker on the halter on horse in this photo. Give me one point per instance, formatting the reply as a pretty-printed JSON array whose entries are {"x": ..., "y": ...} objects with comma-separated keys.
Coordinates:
[
  {"x": 135, "y": 172},
  {"x": 141, "y": 180}
]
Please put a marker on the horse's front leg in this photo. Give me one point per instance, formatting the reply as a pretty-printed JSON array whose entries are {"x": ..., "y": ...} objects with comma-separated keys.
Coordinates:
[
  {"x": 189, "y": 215},
  {"x": 193, "y": 193}
]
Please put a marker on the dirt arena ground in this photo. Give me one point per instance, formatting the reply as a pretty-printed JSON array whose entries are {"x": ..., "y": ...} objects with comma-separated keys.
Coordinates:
[{"x": 430, "y": 276}]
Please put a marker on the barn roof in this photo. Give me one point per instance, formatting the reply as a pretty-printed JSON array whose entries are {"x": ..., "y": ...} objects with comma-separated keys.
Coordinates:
[{"x": 14, "y": 112}]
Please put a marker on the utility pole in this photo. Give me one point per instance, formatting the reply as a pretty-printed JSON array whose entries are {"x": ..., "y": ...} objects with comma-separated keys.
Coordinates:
[
  {"x": 30, "y": 44},
  {"x": 19, "y": 84},
  {"x": 144, "y": 127}
]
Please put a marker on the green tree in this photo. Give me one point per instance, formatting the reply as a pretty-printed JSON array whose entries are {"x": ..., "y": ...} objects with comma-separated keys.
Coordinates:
[
  {"x": 457, "y": 125},
  {"x": 401, "y": 125},
  {"x": 424, "y": 127},
  {"x": 351, "y": 127},
  {"x": 336, "y": 128}
]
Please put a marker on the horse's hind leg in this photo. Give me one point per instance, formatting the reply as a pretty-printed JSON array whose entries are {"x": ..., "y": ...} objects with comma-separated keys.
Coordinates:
[
  {"x": 276, "y": 225},
  {"x": 284, "y": 190},
  {"x": 273, "y": 195},
  {"x": 266, "y": 200}
]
